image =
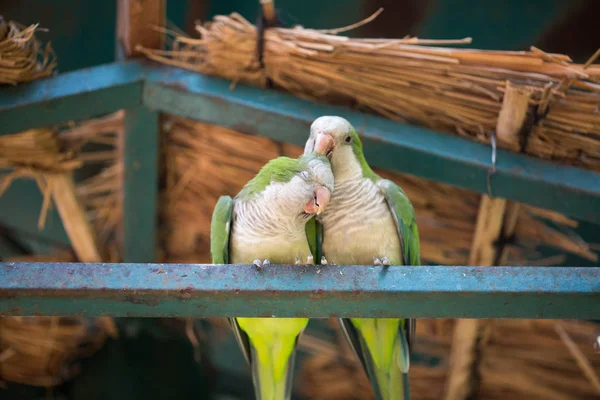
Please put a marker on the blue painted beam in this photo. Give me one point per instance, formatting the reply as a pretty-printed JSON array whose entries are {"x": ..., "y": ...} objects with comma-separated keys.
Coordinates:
[
  {"x": 140, "y": 188},
  {"x": 169, "y": 290},
  {"x": 276, "y": 115},
  {"x": 78, "y": 95},
  {"x": 387, "y": 144}
]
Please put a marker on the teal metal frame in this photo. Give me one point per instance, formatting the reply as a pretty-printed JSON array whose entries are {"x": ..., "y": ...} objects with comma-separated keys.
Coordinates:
[
  {"x": 146, "y": 89},
  {"x": 405, "y": 148},
  {"x": 200, "y": 290}
]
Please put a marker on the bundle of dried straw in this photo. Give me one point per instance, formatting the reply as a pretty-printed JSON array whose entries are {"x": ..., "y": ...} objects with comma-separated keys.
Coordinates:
[
  {"x": 35, "y": 154},
  {"x": 101, "y": 193},
  {"x": 520, "y": 359},
  {"x": 458, "y": 91},
  {"x": 332, "y": 371},
  {"x": 44, "y": 154},
  {"x": 42, "y": 351},
  {"x": 446, "y": 215},
  {"x": 539, "y": 359},
  {"x": 22, "y": 57}
]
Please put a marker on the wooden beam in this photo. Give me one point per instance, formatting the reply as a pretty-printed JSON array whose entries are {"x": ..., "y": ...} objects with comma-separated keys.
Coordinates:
[
  {"x": 487, "y": 231},
  {"x": 136, "y": 20},
  {"x": 136, "y": 23},
  {"x": 80, "y": 232},
  {"x": 496, "y": 221}
]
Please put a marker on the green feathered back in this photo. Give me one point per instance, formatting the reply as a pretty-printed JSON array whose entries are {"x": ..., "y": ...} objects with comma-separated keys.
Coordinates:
[
  {"x": 220, "y": 229},
  {"x": 280, "y": 169},
  {"x": 406, "y": 224}
]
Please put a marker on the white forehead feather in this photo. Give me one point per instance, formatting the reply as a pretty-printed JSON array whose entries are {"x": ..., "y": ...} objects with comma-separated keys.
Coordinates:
[
  {"x": 331, "y": 124},
  {"x": 321, "y": 173}
]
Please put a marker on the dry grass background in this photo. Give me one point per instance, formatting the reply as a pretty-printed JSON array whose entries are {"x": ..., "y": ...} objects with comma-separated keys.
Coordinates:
[
  {"x": 451, "y": 90},
  {"x": 206, "y": 161},
  {"x": 43, "y": 351},
  {"x": 22, "y": 56},
  {"x": 411, "y": 80}
]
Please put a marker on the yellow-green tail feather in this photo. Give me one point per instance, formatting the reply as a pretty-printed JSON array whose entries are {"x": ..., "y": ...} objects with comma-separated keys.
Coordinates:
[
  {"x": 273, "y": 347},
  {"x": 385, "y": 353}
]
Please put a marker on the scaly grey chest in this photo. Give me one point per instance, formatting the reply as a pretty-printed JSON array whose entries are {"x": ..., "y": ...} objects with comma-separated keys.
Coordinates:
[
  {"x": 258, "y": 232},
  {"x": 358, "y": 225}
]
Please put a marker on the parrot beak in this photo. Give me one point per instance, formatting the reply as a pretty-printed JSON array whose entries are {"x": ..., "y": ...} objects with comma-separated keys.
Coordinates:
[
  {"x": 324, "y": 144},
  {"x": 317, "y": 204}
]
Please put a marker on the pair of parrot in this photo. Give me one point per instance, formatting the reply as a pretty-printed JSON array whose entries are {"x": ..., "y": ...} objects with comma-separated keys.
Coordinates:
[{"x": 330, "y": 200}]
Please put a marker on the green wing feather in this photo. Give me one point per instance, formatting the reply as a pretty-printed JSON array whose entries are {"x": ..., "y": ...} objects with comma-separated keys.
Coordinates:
[
  {"x": 314, "y": 234},
  {"x": 406, "y": 224},
  {"x": 271, "y": 351},
  {"x": 220, "y": 229}
]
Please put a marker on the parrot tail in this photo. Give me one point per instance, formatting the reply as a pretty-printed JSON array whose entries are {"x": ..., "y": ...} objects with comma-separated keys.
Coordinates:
[
  {"x": 272, "y": 343},
  {"x": 382, "y": 346}
]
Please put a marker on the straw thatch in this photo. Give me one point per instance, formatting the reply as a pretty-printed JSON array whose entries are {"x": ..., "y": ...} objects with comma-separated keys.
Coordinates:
[
  {"x": 101, "y": 193},
  {"x": 42, "y": 154},
  {"x": 520, "y": 359},
  {"x": 446, "y": 215},
  {"x": 42, "y": 351},
  {"x": 22, "y": 57},
  {"x": 332, "y": 371},
  {"x": 35, "y": 154},
  {"x": 541, "y": 359},
  {"x": 446, "y": 89}
]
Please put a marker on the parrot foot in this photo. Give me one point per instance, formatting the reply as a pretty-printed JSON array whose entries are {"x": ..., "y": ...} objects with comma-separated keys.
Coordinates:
[
  {"x": 259, "y": 265},
  {"x": 310, "y": 260},
  {"x": 297, "y": 262},
  {"x": 323, "y": 260},
  {"x": 383, "y": 261}
]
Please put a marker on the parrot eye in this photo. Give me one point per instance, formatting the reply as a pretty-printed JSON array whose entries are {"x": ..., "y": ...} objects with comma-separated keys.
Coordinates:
[
  {"x": 304, "y": 175},
  {"x": 348, "y": 139}
]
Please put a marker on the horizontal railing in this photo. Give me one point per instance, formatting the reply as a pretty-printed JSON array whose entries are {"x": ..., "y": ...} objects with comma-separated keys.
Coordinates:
[
  {"x": 432, "y": 155},
  {"x": 200, "y": 290}
]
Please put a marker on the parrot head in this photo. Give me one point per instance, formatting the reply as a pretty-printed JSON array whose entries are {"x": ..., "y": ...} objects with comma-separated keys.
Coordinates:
[
  {"x": 335, "y": 138},
  {"x": 315, "y": 183},
  {"x": 300, "y": 186}
]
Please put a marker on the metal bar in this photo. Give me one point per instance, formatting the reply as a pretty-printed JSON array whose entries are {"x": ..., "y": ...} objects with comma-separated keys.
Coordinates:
[
  {"x": 202, "y": 290},
  {"x": 405, "y": 148},
  {"x": 73, "y": 96},
  {"x": 140, "y": 187},
  {"x": 387, "y": 144}
]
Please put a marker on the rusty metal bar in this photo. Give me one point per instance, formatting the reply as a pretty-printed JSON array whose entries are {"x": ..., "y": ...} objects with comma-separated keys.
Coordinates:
[
  {"x": 298, "y": 291},
  {"x": 410, "y": 149}
]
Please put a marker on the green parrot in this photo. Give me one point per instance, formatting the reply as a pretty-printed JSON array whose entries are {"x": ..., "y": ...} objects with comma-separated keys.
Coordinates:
[
  {"x": 272, "y": 217},
  {"x": 369, "y": 221}
]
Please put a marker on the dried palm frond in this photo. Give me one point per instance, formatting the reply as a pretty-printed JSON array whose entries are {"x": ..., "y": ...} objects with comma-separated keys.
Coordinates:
[
  {"x": 22, "y": 57},
  {"x": 411, "y": 80}
]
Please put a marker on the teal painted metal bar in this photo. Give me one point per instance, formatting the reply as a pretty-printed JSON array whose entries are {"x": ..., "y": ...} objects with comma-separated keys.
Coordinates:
[
  {"x": 140, "y": 188},
  {"x": 387, "y": 144},
  {"x": 78, "y": 95},
  {"x": 199, "y": 290},
  {"x": 405, "y": 148}
]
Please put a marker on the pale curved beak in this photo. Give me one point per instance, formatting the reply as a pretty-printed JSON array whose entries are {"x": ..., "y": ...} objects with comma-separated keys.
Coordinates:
[
  {"x": 324, "y": 144},
  {"x": 319, "y": 201}
]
